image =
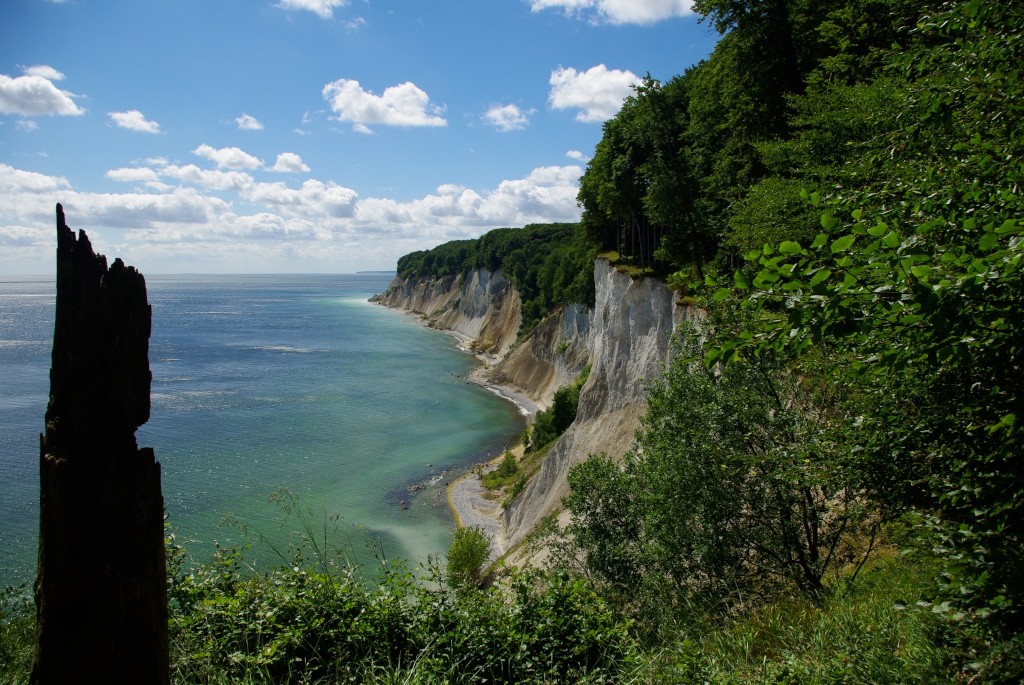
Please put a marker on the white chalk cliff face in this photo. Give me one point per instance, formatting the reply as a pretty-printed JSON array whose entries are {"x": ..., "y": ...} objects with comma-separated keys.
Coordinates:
[{"x": 626, "y": 339}]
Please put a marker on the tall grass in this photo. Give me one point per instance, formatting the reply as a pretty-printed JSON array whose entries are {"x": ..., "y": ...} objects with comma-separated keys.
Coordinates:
[{"x": 873, "y": 634}]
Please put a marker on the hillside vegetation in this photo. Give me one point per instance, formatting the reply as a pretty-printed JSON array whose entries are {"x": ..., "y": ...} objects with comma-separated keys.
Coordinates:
[
  {"x": 827, "y": 485},
  {"x": 549, "y": 264}
]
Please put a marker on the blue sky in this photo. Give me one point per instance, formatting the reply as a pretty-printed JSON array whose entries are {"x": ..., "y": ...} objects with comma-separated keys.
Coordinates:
[{"x": 265, "y": 136}]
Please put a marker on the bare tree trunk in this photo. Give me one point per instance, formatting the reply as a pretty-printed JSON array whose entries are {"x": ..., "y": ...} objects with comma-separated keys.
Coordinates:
[{"x": 101, "y": 595}]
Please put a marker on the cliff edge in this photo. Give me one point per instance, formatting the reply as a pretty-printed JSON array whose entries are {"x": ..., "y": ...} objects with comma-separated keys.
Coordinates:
[{"x": 625, "y": 339}]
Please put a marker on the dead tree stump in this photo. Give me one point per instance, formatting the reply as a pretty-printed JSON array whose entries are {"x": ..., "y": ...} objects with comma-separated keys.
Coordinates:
[{"x": 101, "y": 593}]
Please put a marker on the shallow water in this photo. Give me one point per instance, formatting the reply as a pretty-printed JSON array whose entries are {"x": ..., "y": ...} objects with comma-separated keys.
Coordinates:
[{"x": 265, "y": 384}]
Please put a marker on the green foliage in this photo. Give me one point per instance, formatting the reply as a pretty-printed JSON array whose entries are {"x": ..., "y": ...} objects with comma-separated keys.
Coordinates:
[
  {"x": 506, "y": 473},
  {"x": 732, "y": 494},
  {"x": 301, "y": 625},
  {"x": 17, "y": 634},
  {"x": 466, "y": 557},
  {"x": 550, "y": 423},
  {"x": 549, "y": 264},
  {"x": 877, "y": 633},
  {"x": 912, "y": 293}
]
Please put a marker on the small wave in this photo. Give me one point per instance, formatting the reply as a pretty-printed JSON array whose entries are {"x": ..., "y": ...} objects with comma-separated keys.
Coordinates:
[{"x": 286, "y": 348}]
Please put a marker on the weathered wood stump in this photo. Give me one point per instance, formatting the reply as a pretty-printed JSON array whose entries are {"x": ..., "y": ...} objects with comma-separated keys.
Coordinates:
[{"x": 101, "y": 594}]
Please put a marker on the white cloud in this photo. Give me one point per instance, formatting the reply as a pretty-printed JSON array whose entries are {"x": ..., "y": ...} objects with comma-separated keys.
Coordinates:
[
  {"x": 318, "y": 226},
  {"x": 228, "y": 157},
  {"x": 322, "y": 8},
  {"x": 134, "y": 120},
  {"x": 289, "y": 163},
  {"x": 247, "y": 122},
  {"x": 598, "y": 92},
  {"x": 26, "y": 125},
  {"x": 401, "y": 105},
  {"x": 507, "y": 117},
  {"x": 619, "y": 11},
  {"x": 133, "y": 175},
  {"x": 577, "y": 155},
  {"x": 44, "y": 71},
  {"x": 314, "y": 198},
  {"x": 212, "y": 179},
  {"x": 34, "y": 94},
  {"x": 16, "y": 181}
]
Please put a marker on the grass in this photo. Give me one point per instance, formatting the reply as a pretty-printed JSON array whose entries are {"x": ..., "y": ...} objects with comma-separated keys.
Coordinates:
[
  {"x": 874, "y": 634},
  {"x": 17, "y": 634}
]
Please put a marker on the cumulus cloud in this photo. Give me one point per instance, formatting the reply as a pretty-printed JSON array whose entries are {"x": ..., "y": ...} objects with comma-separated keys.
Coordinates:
[
  {"x": 16, "y": 181},
  {"x": 322, "y": 8},
  {"x": 597, "y": 92},
  {"x": 247, "y": 122},
  {"x": 228, "y": 157},
  {"x": 133, "y": 175},
  {"x": 34, "y": 94},
  {"x": 619, "y": 11},
  {"x": 402, "y": 105},
  {"x": 318, "y": 225},
  {"x": 289, "y": 163},
  {"x": 134, "y": 120},
  {"x": 507, "y": 117},
  {"x": 577, "y": 155},
  {"x": 314, "y": 198}
]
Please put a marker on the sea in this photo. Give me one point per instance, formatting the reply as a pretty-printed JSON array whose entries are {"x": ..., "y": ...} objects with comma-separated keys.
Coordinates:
[{"x": 286, "y": 409}]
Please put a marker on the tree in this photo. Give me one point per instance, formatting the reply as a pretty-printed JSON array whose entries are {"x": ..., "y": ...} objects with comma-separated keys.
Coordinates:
[
  {"x": 915, "y": 291},
  {"x": 734, "y": 491},
  {"x": 470, "y": 550}
]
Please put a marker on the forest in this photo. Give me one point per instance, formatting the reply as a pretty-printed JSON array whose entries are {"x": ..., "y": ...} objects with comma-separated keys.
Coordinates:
[
  {"x": 843, "y": 179},
  {"x": 826, "y": 487}
]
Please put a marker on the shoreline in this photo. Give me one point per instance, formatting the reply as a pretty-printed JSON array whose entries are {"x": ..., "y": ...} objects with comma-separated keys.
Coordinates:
[{"x": 466, "y": 495}]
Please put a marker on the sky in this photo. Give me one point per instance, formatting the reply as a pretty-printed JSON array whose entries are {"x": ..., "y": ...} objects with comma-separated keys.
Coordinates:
[{"x": 309, "y": 136}]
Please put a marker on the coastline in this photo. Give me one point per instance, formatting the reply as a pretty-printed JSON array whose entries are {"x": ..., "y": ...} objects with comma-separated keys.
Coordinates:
[{"x": 467, "y": 499}]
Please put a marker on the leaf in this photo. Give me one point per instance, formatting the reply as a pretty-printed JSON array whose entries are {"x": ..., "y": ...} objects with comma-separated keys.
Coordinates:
[
  {"x": 739, "y": 278},
  {"x": 820, "y": 277},
  {"x": 989, "y": 241},
  {"x": 722, "y": 294},
  {"x": 1008, "y": 226},
  {"x": 790, "y": 247},
  {"x": 922, "y": 271},
  {"x": 829, "y": 222},
  {"x": 819, "y": 241},
  {"x": 843, "y": 244}
]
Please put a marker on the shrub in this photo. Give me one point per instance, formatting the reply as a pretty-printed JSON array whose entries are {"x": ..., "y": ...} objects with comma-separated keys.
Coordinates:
[{"x": 466, "y": 557}]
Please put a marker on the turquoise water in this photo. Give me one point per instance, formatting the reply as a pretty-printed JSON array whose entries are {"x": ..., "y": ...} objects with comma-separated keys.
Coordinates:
[{"x": 263, "y": 384}]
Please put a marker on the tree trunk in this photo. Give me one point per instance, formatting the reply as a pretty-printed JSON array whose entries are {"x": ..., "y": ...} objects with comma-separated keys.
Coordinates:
[{"x": 101, "y": 595}]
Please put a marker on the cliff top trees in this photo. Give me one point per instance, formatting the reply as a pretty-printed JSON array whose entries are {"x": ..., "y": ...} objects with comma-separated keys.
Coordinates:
[{"x": 549, "y": 264}]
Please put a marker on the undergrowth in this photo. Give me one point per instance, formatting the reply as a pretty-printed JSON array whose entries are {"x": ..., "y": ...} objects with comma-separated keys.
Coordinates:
[{"x": 316, "y": 620}]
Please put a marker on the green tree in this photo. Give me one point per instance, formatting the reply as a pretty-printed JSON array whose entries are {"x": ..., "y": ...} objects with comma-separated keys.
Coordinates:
[
  {"x": 915, "y": 290},
  {"x": 470, "y": 550},
  {"x": 733, "y": 492}
]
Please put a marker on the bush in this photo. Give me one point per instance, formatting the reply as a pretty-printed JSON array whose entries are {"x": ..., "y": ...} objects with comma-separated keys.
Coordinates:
[
  {"x": 466, "y": 557},
  {"x": 300, "y": 624}
]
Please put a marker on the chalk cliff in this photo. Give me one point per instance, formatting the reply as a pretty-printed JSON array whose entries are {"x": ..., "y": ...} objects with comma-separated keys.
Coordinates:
[{"x": 625, "y": 339}]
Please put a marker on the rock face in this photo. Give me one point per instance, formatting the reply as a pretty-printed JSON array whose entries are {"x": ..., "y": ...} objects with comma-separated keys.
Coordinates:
[
  {"x": 628, "y": 347},
  {"x": 101, "y": 597},
  {"x": 482, "y": 309},
  {"x": 626, "y": 339}
]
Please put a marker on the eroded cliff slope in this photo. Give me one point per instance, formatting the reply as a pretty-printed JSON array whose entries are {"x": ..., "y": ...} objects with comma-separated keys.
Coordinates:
[{"x": 625, "y": 339}]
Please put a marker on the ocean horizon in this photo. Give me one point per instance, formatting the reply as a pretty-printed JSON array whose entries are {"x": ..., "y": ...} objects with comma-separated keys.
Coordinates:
[{"x": 282, "y": 405}]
